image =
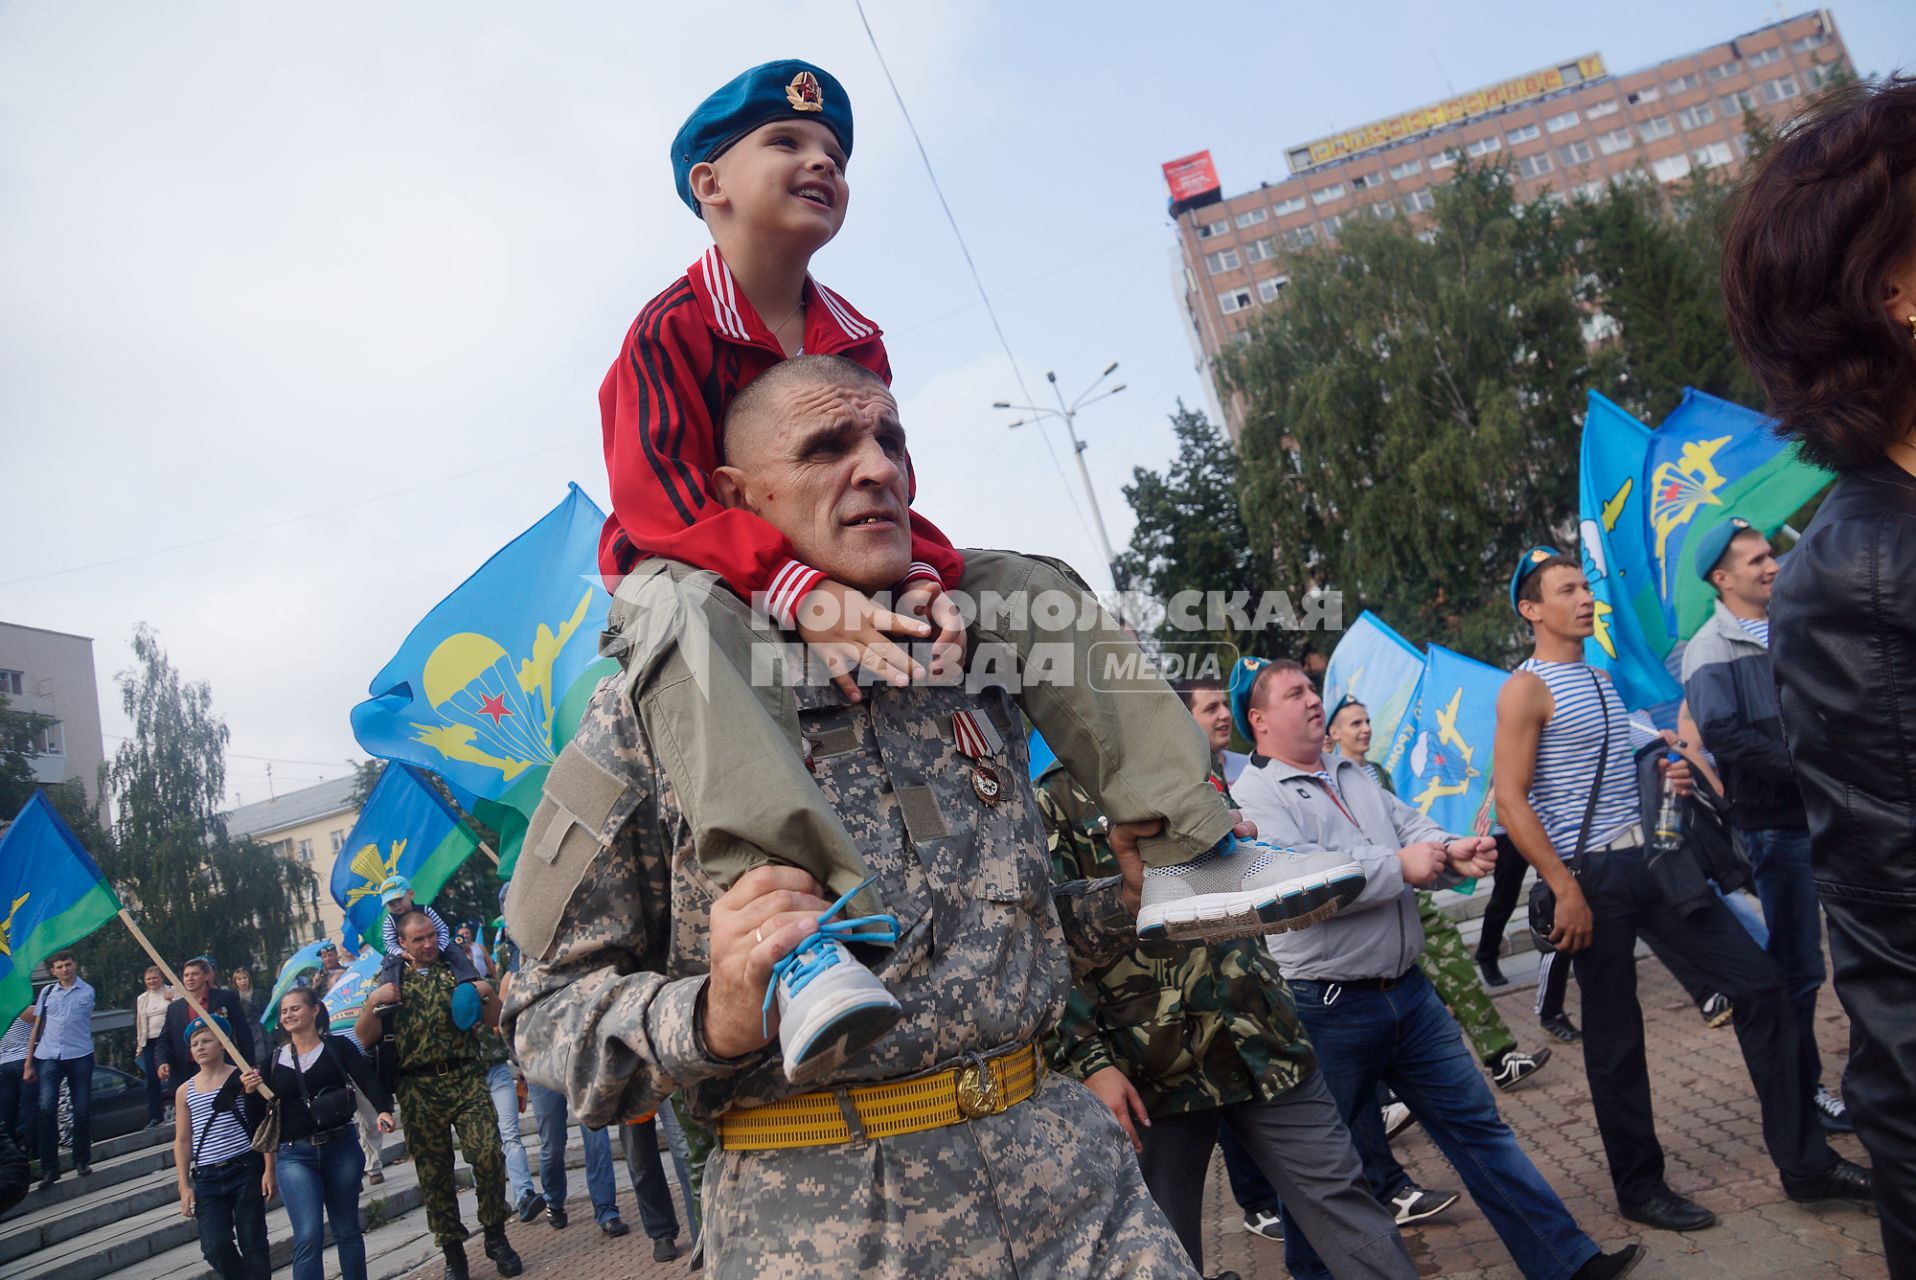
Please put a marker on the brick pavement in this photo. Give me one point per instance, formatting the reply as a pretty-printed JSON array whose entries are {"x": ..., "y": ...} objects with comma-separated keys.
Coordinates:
[{"x": 1706, "y": 1114}]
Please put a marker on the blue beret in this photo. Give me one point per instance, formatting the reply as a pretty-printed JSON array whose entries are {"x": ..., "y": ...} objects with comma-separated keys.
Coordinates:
[
  {"x": 785, "y": 90},
  {"x": 1243, "y": 677},
  {"x": 1527, "y": 565},
  {"x": 1713, "y": 542},
  {"x": 198, "y": 1025}
]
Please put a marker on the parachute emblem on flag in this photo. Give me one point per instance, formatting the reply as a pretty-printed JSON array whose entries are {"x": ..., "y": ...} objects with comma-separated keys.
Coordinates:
[
  {"x": 492, "y": 715},
  {"x": 6, "y": 926},
  {"x": 1678, "y": 488},
  {"x": 1449, "y": 771},
  {"x": 371, "y": 870}
]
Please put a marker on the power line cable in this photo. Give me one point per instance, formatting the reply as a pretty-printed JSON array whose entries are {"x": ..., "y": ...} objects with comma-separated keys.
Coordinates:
[{"x": 972, "y": 267}]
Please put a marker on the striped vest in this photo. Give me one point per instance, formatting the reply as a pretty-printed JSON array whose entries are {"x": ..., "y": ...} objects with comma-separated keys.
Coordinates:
[{"x": 1567, "y": 757}]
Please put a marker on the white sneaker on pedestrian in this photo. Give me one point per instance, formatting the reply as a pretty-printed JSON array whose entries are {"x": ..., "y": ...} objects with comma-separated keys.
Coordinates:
[
  {"x": 1518, "y": 1066},
  {"x": 1265, "y": 1223},
  {"x": 1397, "y": 1118},
  {"x": 1414, "y": 1204},
  {"x": 1717, "y": 1009},
  {"x": 829, "y": 1005},
  {"x": 1244, "y": 888}
]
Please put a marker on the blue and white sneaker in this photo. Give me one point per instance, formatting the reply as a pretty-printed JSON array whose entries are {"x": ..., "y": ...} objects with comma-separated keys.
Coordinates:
[
  {"x": 1244, "y": 888},
  {"x": 829, "y": 1005}
]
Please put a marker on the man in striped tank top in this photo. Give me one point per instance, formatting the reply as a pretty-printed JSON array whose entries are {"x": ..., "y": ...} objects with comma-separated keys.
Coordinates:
[{"x": 1557, "y": 718}]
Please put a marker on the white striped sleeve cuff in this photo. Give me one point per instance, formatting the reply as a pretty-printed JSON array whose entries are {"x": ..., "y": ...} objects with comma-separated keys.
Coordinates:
[
  {"x": 919, "y": 569},
  {"x": 789, "y": 585}
]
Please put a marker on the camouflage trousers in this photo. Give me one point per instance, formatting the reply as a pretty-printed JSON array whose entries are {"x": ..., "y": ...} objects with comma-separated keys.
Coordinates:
[
  {"x": 1447, "y": 962},
  {"x": 1046, "y": 1190},
  {"x": 435, "y": 1107}
]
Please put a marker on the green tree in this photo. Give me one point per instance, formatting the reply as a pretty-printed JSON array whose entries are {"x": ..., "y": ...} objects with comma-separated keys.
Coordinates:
[
  {"x": 20, "y": 742},
  {"x": 193, "y": 888},
  {"x": 1412, "y": 410}
]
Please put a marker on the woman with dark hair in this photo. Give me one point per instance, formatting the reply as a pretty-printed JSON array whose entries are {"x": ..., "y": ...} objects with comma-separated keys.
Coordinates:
[
  {"x": 1819, "y": 275},
  {"x": 320, "y": 1162}
]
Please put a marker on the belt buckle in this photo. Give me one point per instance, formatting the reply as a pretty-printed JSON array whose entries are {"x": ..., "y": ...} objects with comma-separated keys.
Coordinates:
[{"x": 978, "y": 1091}]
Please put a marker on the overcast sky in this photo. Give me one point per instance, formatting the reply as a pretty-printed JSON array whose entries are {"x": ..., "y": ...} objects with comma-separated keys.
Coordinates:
[{"x": 304, "y": 309}]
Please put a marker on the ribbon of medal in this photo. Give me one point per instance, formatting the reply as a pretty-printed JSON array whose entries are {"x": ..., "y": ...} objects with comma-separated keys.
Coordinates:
[{"x": 978, "y": 742}]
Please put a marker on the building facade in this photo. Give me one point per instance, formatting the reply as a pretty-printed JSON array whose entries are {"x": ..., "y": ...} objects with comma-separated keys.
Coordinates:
[
  {"x": 1569, "y": 129},
  {"x": 50, "y": 673},
  {"x": 310, "y": 827}
]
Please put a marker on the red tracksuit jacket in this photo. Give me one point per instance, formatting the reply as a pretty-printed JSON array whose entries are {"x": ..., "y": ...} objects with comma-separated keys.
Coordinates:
[{"x": 685, "y": 358}]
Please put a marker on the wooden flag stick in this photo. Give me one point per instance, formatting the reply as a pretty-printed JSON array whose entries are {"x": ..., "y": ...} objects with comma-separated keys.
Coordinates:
[
  {"x": 139, "y": 936},
  {"x": 487, "y": 850}
]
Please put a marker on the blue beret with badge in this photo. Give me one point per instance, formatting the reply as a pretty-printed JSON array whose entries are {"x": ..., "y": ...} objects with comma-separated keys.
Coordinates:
[
  {"x": 1711, "y": 545},
  {"x": 1526, "y": 566},
  {"x": 1243, "y": 680},
  {"x": 783, "y": 90}
]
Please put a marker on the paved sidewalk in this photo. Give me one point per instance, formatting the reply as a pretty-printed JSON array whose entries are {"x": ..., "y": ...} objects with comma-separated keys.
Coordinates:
[{"x": 1706, "y": 1114}]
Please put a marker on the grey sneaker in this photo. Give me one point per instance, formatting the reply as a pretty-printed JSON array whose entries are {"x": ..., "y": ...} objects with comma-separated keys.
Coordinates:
[
  {"x": 1414, "y": 1204},
  {"x": 1717, "y": 1009},
  {"x": 1253, "y": 888},
  {"x": 1518, "y": 1066}
]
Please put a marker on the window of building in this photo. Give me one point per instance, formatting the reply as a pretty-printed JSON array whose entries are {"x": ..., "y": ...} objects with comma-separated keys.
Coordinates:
[
  {"x": 1534, "y": 166},
  {"x": 1261, "y": 250},
  {"x": 1268, "y": 290},
  {"x": 1292, "y": 205},
  {"x": 1325, "y": 195},
  {"x": 1815, "y": 40},
  {"x": 1655, "y": 127},
  {"x": 1222, "y": 260},
  {"x": 1735, "y": 104},
  {"x": 305, "y": 850},
  {"x": 1648, "y": 93},
  {"x": 1578, "y": 152},
  {"x": 1365, "y": 181},
  {"x": 1781, "y": 90},
  {"x": 1717, "y": 153},
  {"x": 12, "y": 682},
  {"x": 1419, "y": 201},
  {"x": 1443, "y": 159},
  {"x": 1522, "y": 133},
  {"x": 1696, "y": 117},
  {"x": 1213, "y": 229},
  {"x": 1557, "y": 124},
  {"x": 1332, "y": 225},
  {"x": 1670, "y": 168},
  {"x": 1300, "y": 237},
  {"x": 1724, "y": 70},
  {"x": 51, "y": 741},
  {"x": 1483, "y": 147},
  {"x": 1408, "y": 169},
  {"x": 1763, "y": 57},
  {"x": 338, "y": 838},
  {"x": 1251, "y": 217},
  {"x": 1383, "y": 210},
  {"x": 1684, "y": 83},
  {"x": 1614, "y": 141},
  {"x": 1598, "y": 110}
]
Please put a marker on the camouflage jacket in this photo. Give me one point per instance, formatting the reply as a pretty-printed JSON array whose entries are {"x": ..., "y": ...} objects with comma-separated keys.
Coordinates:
[
  {"x": 424, "y": 1033},
  {"x": 611, "y": 910},
  {"x": 1192, "y": 1027}
]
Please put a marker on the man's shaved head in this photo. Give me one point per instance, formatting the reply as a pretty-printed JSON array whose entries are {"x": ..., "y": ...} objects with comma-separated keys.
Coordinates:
[{"x": 754, "y": 409}]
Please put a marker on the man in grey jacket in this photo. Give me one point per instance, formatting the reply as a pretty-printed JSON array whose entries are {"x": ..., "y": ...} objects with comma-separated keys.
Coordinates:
[
  {"x": 1731, "y": 688},
  {"x": 1370, "y": 1012}
]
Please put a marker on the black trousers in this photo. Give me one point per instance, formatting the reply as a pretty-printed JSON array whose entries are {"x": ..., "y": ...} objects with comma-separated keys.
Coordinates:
[
  {"x": 1505, "y": 886},
  {"x": 1625, "y": 902}
]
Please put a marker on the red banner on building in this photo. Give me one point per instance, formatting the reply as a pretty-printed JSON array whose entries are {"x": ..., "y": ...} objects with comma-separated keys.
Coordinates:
[{"x": 1191, "y": 176}]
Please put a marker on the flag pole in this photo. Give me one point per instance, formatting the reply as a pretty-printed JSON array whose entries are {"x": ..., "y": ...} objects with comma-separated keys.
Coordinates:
[
  {"x": 487, "y": 850},
  {"x": 139, "y": 936}
]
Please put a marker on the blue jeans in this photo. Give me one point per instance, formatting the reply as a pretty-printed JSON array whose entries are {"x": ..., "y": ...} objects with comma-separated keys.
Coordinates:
[
  {"x": 1780, "y": 857},
  {"x": 505, "y": 1101},
  {"x": 1405, "y": 1038},
  {"x": 155, "y": 1090},
  {"x": 320, "y": 1184},
  {"x": 548, "y": 1108},
  {"x": 78, "y": 1074},
  {"x": 230, "y": 1212}
]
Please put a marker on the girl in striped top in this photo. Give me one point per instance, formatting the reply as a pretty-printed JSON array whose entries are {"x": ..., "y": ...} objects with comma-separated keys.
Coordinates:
[{"x": 224, "y": 1184}]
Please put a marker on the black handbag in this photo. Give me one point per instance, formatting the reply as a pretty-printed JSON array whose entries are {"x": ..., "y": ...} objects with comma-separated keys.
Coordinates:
[
  {"x": 332, "y": 1106},
  {"x": 1543, "y": 900}
]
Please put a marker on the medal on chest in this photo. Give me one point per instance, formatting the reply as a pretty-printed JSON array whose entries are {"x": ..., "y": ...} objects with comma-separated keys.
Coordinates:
[{"x": 978, "y": 741}]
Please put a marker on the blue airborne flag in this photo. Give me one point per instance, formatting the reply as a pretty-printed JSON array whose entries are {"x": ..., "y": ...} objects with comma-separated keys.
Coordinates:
[
  {"x": 404, "y": 830},
  {"x": 1445, "y": 771},
  {"x": 491, "y": 684},
  {"x": 302, "y": 962},
  {"x": 1380, "y": 669},
  {"x": 1631, "y": 641},
  {"x": 51, "y": 896}
]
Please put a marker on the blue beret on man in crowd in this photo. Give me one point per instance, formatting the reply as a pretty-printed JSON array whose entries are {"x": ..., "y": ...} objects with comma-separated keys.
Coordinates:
[
  {"x": 783, "y": 90},
  {"x": 1713, "y": 542},
  {"x": 1243, "y": 680},
  {"x": 1527, "y": 565}
]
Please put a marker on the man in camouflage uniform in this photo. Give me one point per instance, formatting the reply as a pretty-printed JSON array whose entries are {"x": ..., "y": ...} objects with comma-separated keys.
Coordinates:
[
  {"x": 1178, "y": 1039},
  {"x": 442, "y": 1088},
  {"x": 640, "y": 980}
]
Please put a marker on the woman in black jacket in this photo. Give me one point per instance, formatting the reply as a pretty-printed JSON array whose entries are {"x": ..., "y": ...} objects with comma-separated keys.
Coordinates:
[
  {"x": 1819, "y": 280},
  {"x": 320, "y": 1162}
]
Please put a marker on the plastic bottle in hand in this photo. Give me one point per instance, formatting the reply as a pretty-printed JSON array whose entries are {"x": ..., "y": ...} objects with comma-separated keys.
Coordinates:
[{"x": 1668, "y": 835}]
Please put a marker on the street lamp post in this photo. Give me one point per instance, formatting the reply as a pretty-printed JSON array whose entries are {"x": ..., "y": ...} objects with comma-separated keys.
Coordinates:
[{"x": 1068, "y": 414}]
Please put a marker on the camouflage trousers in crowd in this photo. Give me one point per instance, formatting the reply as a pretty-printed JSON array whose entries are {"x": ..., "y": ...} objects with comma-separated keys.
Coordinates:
[
  {"x": 1046, "y": 1188},
  {"x": 434, "y": 1107},
  {"x": 1447, "y": 962}
]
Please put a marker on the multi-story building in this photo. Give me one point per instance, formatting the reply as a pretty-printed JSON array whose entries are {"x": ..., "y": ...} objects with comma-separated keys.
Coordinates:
[
  {"x": 1567, "y": 128},
  {"x": 310, "y": 827},
  {"x": 50, "y": 673}
]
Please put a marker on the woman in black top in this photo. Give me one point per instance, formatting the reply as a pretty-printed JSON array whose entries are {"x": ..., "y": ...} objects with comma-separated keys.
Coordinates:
[{"x": 320, "y": 1162}]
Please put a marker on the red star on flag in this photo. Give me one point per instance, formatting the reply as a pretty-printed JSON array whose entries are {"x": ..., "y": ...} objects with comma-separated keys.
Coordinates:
[{"x": 495, "y": 706}]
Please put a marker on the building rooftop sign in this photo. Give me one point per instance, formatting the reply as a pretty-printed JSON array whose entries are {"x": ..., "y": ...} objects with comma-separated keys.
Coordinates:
[{"x": 1478, "y": 102}]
